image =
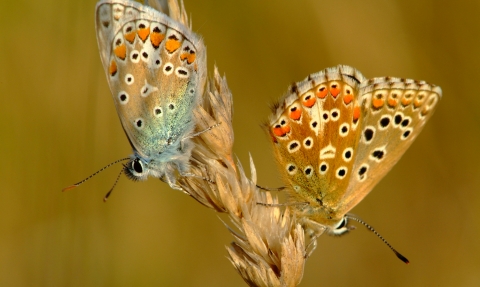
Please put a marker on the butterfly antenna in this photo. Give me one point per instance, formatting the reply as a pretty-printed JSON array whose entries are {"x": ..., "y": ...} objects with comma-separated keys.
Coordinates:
[
  {"x": 400, "y": 256},
  {"x": 102, "y": 169},
  {"x": 111, "y": 189}
]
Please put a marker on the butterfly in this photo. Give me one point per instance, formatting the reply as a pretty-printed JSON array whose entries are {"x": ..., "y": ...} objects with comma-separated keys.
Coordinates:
[
  {"x": 336, "y": 134},
  {"x": 155, "y": 67}
]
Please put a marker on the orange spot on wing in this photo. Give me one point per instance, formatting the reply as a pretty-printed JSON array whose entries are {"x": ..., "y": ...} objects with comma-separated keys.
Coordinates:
[
  {"x": 377, "y": 103},
  {"x": 143, "y": 33},
  {"x": 392, "y": 103},
  {"x": 189, "y": 56},
  {"x": 347, "y": 99},
  {"x": 417, "y": 103},
  {"x": 334, "y": 90},
  {"x": 309, "y": 101},
  {"x": 296, "y": 114},
  {"x": 322, "y": 92},
  {"x": 419, "y": 100},
  {"x": 130, "y": 37},
  {"x": 425, "y": 112},
  {"x": 280, "y": 131},
  {"x": 112, "y": 70},
  {"x": 406, "y": 102},
  {"x": 121, "y": 51},
  {"x": 356, "y": 114},
  {"x": 156, "y": 39},
  {"x": 172, "y": 45}
]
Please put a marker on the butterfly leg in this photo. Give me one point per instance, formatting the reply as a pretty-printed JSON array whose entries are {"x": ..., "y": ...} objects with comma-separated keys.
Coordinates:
[
  {"x": 313, "y": 230},
  {"x": 170, "y": 179},
  {"x": 198, "y": 176},
  {"x": 312, "y": 245},
  {"x": 197, "y": 134},
  {"x": 270, "y": 189}
]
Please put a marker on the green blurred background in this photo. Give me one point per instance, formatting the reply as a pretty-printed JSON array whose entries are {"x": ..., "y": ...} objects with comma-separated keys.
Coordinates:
[{"x": 58, "y": 125}]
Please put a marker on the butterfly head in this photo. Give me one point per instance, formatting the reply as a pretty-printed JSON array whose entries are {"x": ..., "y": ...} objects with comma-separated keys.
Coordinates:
[
  {"x": 170, "y": 155},
  {"x": 321, "y": 219}
]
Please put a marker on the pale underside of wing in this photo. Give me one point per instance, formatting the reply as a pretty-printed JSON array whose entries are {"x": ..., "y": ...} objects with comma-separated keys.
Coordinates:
[
  {"x": 155, "y": 68},
  {"x": 113, "y": 14},
  {"x": 394, "y": 112}
]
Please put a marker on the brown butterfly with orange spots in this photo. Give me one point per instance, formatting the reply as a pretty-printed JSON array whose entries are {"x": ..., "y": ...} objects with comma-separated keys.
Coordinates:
[{"x": 336, "y": 134}]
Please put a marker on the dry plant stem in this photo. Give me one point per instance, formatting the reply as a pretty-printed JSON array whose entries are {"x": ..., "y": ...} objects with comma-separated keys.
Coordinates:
[{"x": 269, "y": 245}]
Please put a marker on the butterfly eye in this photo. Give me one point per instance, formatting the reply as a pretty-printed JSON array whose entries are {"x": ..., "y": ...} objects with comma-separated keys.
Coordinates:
[
  {"x": 137, "y": 166},
  {"x": 342, "y": 224},
  {"x": 340, "y": 228}
]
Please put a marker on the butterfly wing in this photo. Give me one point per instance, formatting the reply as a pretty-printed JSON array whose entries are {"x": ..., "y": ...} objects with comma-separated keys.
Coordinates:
[
  {"x": 154, "y": 68},
  {"x": 315, "y": 131},
  {"x": 336, "y": 134},
  {"x": 393, "y": 112}
]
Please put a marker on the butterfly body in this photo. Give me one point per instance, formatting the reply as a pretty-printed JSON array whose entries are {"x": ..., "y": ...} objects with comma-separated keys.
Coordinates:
[
  {"x": 155, "y": 67},
  {"x": 336, "y": 134}
]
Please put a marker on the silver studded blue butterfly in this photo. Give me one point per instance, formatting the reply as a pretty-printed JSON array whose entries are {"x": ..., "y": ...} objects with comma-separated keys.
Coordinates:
[
  {"x": 336, "y": 134},
  {"x": 155, "y": 68}
]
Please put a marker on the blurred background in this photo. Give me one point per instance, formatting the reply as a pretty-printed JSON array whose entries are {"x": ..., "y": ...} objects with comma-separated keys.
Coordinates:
[{"x": 59, "y": 125}]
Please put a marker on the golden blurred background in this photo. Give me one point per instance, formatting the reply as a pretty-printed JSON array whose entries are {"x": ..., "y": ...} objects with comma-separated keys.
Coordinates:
[{"x": 59, "y": 125}]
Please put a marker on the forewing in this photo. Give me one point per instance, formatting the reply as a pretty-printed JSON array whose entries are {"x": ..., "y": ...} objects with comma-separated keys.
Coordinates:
[
  {"x": 153, "y": 66},
  {"x": 315, "y": 131}
]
